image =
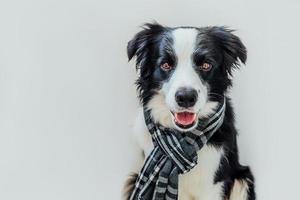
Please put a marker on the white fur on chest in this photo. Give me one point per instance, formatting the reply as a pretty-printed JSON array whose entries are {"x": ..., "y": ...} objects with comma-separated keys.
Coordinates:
[{"x": 198, "y": 184}]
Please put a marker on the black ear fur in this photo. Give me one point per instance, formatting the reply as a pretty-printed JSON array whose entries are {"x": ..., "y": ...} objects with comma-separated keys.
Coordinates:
[
  {"x": 234, "y": 49},
  {"x": 142, "y": 43}
]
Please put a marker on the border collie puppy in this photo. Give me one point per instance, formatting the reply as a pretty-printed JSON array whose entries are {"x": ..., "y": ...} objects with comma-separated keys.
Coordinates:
[{"x": 179, "y": 69}]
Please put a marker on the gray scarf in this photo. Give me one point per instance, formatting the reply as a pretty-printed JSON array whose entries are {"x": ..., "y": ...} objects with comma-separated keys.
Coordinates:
[{"x": 174, "y": 153}]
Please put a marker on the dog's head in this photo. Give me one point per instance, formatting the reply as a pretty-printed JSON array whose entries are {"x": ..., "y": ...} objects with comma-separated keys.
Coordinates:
[{"x": 180, "y": 68}]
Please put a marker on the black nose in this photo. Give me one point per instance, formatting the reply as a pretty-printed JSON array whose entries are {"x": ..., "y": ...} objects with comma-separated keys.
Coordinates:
[{"x": 186, "y": 97}]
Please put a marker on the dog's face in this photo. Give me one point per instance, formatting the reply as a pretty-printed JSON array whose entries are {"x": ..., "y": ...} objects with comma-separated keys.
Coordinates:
[{"x": 180, "y": 68}]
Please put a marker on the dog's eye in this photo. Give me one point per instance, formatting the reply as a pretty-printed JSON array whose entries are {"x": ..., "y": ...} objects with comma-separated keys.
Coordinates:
[
  {"x": 206, "y": 67},
  {"x": 166, "y": 66}
]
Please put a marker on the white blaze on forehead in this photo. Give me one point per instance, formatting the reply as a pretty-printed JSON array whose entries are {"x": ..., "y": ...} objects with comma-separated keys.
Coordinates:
[
  {"x": 184, "y": 47},
  {"x": 184, "y": 42}
]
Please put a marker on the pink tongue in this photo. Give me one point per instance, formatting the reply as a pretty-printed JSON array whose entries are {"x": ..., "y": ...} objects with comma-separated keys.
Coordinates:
[{"x": 185, "y": 118}]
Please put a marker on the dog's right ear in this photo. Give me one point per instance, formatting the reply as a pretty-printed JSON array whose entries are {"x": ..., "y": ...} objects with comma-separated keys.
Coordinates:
[{"x": 141, "y": 44}]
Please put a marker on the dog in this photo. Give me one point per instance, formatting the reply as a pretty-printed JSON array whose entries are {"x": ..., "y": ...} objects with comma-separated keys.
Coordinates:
[{"x": 179, "y": 68}]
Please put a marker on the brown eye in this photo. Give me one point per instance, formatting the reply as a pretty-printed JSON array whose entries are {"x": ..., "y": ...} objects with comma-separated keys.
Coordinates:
[
  {"x": 166, "y": 66},
  {"x": 205, "y": 67}
]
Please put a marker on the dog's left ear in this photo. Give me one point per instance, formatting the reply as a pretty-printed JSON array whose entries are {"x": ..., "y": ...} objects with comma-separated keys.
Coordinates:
[{"x": 234, "y": 50}]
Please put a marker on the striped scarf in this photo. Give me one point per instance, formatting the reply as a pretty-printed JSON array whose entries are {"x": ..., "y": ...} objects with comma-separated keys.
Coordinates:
[{"x": 174, "y": 153}]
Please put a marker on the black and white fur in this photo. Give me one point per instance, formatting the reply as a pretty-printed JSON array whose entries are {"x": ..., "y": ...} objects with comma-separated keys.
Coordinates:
[{"x": 219, "y": 175}]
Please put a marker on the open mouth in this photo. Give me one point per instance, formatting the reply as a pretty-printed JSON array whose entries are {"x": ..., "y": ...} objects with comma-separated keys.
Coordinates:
[{"x": 185, "y": 119}]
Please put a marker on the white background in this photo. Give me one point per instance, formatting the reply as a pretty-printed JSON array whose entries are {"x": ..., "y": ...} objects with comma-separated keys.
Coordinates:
[{"x": 67, "y": 98}]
